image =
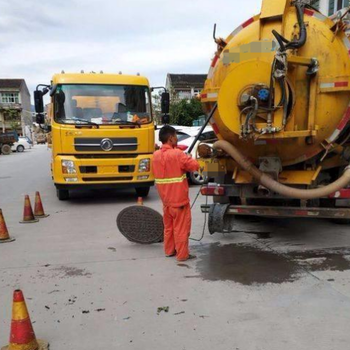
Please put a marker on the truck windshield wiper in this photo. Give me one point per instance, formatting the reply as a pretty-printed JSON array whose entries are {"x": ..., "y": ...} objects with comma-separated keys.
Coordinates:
[
  {"x": 83, "y": 121},
  {"x": 124, "y": 122}
]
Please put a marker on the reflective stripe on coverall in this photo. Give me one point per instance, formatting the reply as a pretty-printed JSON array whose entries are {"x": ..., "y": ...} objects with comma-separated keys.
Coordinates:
[{"x": 170, "y": 166}]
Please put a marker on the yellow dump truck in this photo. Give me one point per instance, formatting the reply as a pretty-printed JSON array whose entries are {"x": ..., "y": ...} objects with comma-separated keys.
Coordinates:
[
  {"x": 102, "y": 131},
  {"x": 278, "y": 98}
]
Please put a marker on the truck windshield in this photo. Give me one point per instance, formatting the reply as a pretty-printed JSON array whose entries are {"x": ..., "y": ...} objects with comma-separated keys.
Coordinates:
[{"x": 102, "y": 104}]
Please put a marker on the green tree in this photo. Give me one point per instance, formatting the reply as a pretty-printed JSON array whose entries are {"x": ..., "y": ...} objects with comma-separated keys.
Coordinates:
[
  {"x": 183, "y": 112},
  {"x": 12, "y": 116},
  {"x": 157, "y": 108}
]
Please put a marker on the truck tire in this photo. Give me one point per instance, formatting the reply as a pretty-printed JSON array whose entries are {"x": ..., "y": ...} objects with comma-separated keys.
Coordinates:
[
  {"x": 62, "y": 195},
  {"x": 20, "y": 148},
  {"x": 197, "y": 178},
  {"x": 218, "y": 221},
  {"x": 6, "y": 150},
  {"x": 142, "y": 191}
]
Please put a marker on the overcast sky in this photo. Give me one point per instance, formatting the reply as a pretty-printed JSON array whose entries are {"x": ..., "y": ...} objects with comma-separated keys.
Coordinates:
[{"x": 153, "y": 37}]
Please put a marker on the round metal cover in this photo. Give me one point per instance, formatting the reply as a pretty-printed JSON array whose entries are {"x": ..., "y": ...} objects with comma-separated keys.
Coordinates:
[{"x": 141, "y": 224}]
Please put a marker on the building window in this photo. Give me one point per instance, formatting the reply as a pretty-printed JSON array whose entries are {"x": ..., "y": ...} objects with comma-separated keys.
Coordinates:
[
  {"x": 184, "y": 95},
  {"x": 315, "y": 4},
  {"x": 9, "y": 97},
  {"x": 336, "y": 5}
]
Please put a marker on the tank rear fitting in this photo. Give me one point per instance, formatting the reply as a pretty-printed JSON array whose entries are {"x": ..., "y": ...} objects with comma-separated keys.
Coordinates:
[
  {"x": 274, "y": 186},
  {"x": 263, "y": 191}
]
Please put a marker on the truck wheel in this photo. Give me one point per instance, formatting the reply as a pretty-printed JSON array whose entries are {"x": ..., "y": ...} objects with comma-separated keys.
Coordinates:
[
  {"x": 198, "y": 179},
  {"x": 218, "y": 221},
  {"x": 142, "y": 191},
  {"x": 20, "y": 148},
  {"x": 6, "y": 150},
  {"x": 62, "y": 195}
]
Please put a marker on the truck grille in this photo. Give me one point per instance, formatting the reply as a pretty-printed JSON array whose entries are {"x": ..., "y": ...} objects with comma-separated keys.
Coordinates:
[
  {"x": 88, "y": 169},
  {"x": 93, "y": 144},
  {"x": 121, "y": 169}
]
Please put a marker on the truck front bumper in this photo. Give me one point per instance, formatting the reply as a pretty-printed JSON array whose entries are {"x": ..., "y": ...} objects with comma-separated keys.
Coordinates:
[
  {"x": 99, "y": 172},
  {"x": 103, "y": 186}
]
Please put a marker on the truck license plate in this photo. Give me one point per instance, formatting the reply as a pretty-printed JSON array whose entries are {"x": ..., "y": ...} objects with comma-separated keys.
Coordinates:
[{"x": 107, "y": 169}]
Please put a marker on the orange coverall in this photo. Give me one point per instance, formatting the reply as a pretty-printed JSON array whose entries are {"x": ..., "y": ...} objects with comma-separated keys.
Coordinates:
[{"x": 170, "y": 166}]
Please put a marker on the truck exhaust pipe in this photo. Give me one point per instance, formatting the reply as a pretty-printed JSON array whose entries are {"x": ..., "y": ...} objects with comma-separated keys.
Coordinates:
[{"x": 266, "y": 181}]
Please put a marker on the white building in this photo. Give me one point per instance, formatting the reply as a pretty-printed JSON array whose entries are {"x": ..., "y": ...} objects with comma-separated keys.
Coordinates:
[
  {"x": 330, "y": 7},
  {"x": 15, "y": 101},
  {"x": 185, "y": 86}
]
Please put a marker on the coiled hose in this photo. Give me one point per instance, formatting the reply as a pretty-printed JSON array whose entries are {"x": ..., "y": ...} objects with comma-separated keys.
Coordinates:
[{"x": 274, "y": 186}]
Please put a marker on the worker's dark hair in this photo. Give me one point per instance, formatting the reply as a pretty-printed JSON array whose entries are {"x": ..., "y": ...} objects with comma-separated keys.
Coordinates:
[{"x": 165, "y": 133}]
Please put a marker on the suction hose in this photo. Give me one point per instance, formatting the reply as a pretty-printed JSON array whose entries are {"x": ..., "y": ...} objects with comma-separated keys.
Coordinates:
[{"x": 277, "y": 187}]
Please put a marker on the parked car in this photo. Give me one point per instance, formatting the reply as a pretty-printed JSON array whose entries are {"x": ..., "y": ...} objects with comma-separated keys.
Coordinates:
[
  {"x": 22, "y": 144},
  {"x": 186, "y": 136}
]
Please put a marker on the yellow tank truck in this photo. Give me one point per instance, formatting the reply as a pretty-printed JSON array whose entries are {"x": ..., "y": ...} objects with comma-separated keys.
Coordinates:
[
  {"x": 102, "y": 131},
  {"x": 278, "y": 98}
]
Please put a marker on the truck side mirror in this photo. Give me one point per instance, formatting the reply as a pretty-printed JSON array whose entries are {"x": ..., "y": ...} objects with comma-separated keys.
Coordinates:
[
  {"x": 165, "y": 119},
  {"x": 38, "y": 101},
  {"x": 165, "y": 102}
]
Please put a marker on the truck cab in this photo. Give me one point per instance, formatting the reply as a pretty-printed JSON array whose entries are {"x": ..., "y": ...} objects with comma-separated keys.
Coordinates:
[{"x": 102, "y": 132}]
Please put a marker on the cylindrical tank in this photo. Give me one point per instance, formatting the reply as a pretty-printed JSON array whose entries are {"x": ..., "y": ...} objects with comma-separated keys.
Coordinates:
[{"x": 280, "y": 94}]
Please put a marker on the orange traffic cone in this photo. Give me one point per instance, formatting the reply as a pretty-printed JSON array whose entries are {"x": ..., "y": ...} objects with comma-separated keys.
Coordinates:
[
  {"x": 140, "y": 201},
  {"x": 39, "y": 209},
  {"x": 22, "y": 336},
  {"x": 4, "y": 233},
  {"x": 28, "y": 216}
]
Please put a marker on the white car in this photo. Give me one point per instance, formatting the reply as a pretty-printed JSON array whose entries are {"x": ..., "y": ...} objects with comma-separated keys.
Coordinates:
[
  {"x": 186, "y": 136},
  {"x": 158, "y": 127},
  {"x": 22, "y": 144}
]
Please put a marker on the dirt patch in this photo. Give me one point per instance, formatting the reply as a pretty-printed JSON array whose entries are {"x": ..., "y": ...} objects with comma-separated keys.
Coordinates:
[
  {"x": 322, "y": 260},
  {"x": 66, "y": 272},
  {"x": 246, "y": 265},
  {"x": 249, "y": 265}
]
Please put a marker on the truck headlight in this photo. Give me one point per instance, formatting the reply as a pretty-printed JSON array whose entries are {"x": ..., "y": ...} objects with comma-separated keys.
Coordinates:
[
  {"x": 144, "y": 165},
  {"x": 68, "y": 167}
]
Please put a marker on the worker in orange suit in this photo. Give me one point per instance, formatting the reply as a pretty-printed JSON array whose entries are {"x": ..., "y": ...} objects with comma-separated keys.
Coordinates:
[{"x": 170, "y": 166}]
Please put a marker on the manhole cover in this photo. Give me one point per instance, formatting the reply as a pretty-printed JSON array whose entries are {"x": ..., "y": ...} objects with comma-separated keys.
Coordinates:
[{"x": 141, "y": 224}]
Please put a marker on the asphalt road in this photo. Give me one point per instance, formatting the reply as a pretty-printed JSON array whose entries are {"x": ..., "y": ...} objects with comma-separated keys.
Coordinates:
[{"x": 269, "y": 285}]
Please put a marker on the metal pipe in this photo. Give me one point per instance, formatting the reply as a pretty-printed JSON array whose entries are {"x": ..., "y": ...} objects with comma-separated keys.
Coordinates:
[
  {"x": 290, "y": 192},
  {"x": 203, "y": 127},
  {"x": 303, "y": 33}
]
